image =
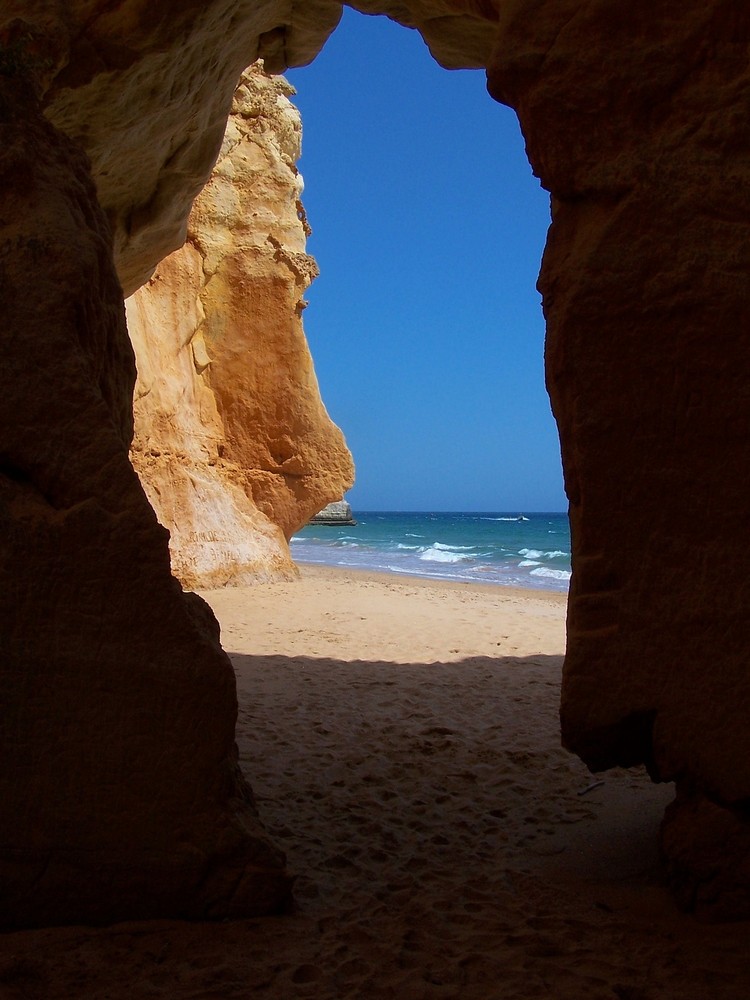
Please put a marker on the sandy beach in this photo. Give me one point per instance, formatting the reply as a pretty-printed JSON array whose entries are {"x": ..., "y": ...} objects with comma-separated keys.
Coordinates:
[{"x": 401, "y": 737}]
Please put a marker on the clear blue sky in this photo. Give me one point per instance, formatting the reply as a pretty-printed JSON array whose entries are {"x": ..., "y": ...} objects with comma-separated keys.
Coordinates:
[{"x": 425, "y": 324}]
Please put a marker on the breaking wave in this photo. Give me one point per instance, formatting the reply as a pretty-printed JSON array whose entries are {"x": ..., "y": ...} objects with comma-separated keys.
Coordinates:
[
  {"x": 551, "y": 574},
  {"x": 470, "y": 547},
  {"x": 442, "y": 553}
]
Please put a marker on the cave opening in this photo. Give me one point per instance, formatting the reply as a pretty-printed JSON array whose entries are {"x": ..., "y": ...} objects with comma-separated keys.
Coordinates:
[
  {"x": 428, "y": 227},
  {"x": 631, "y": 121}
]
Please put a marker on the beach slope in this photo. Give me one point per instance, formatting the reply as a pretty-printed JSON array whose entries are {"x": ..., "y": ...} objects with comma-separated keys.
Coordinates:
[{"x": 402, "y": 739}]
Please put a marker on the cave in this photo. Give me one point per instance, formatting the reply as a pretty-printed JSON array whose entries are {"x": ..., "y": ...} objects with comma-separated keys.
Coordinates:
[{"x": 122, "y": 797}]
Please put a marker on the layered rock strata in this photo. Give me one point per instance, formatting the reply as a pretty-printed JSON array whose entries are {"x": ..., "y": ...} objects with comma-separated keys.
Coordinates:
[
  {"x": 232, "y": 442},
  {"x": 635, "y": 119}
]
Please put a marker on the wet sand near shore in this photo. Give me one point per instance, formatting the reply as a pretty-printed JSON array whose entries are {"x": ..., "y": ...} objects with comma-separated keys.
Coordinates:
[{"x": 402, "y": 740}]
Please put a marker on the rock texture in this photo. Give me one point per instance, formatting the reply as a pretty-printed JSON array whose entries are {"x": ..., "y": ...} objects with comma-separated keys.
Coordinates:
[
  {"x": 121, "y": 795},
  {"x": 339, "y": 512},
  {"x": 232, "y": 442},
  {"x": 459, "y": 33},
  {"x": 636, "y": 120},
  {"x": 637, "y": 123},
  {"x": 148, "y": 96}
]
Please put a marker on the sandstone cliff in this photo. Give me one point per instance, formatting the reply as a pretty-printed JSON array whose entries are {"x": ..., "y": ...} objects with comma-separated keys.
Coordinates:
[{"x": 232, "y": 442}]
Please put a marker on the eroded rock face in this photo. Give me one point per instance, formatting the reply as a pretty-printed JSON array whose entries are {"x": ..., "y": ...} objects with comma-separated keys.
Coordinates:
[
  {"x": 232, "y": 442},
  {"x": 636, "y": 122},
  {"x": 121, "y": 795},
  {"x": 148, "y": 96}
]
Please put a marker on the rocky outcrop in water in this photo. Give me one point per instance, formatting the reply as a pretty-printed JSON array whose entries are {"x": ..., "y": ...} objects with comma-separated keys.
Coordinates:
[
  {"x": 232, "y": 442},
  {"x": 339, "y": 512}
]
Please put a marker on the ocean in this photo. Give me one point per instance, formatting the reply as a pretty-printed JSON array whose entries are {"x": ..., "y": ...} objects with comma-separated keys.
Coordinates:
[{"x": 508, "y": 549}]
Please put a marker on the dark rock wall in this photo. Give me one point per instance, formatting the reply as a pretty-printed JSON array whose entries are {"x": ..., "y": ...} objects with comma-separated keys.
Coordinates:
[
  {"x": 636, "y": 119},
  {"x": 119, "y": 786}
]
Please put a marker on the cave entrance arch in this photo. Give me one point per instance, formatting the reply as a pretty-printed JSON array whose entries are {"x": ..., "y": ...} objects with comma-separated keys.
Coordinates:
[{"x": 634, "y": 121}]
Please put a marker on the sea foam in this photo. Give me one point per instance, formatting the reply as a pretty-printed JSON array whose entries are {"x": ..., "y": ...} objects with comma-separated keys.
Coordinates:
[
  {"x": 442, "y": 554},
  {"x": 551, "y": 574},
  {"x": 462, "y": 546}
]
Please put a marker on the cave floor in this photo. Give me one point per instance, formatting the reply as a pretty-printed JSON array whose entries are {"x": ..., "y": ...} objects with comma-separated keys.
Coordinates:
[{"x": 444, "y": 845}]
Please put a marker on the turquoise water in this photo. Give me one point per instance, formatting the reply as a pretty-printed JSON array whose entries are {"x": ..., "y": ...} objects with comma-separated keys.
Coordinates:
[{"x": 510, "y": 549}]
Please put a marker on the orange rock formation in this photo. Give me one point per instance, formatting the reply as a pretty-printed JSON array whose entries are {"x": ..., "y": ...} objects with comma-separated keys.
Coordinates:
[
  {"x": 232, "y": 442},
  {"x": 635, "y": 119}
]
